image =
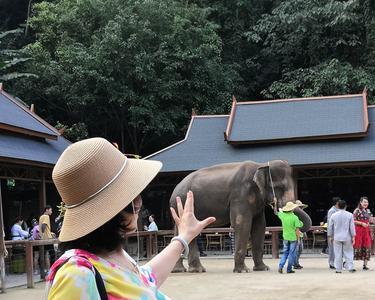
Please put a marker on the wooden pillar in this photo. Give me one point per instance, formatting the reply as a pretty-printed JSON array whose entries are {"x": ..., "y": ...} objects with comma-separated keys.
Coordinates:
[
  {"x": 275, "y": 244},
  {"x": 42, "y": 193},
  {"x": 154, "y": 244},
  {"x": 2, "y": 245},
  {"x": 295, "y": 182},
  {"x": 29, "y": 265},
  {"x": 149, "y": 246},
  {"x": 42, "y": 260}
]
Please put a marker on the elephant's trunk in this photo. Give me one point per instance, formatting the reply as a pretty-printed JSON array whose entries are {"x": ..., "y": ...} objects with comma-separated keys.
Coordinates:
[{"x": 304, "y": 218}]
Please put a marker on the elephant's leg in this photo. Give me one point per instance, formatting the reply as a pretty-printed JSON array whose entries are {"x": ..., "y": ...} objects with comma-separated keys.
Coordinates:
[
  {"x": 179, "y": 267},
  {"x": 242, "y": 229},
  {"x": 257, "y": 240},
  {"x": 195, "y": 265}
]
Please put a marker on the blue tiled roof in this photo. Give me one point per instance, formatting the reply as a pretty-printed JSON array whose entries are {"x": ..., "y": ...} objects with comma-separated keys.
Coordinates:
[
  {"x": 44, "y": 151},
  {"x": 205, "y": 146},
  {"x": 298, "y": 119},
  {"x": 34, "y": 142},
  {"x": 12, "y": 113}
]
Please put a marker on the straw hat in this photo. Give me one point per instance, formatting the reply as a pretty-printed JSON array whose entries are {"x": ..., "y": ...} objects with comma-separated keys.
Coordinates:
[
  {"x": 300, "y": 204},
  {"x": 289, "y": 206},
  {"x": 96, "y": 181}
]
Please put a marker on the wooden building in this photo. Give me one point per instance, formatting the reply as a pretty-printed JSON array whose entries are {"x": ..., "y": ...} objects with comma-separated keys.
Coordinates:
[
  {"x": 29, "y": 148},
  {"x": 329, "y": 141}
]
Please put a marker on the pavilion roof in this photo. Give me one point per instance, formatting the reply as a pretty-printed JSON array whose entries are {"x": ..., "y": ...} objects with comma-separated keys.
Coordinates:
[
  {"x": 26, "y": 137},
  {"x": 297, "y": 119},
  {"x": 204, "y": 145}
]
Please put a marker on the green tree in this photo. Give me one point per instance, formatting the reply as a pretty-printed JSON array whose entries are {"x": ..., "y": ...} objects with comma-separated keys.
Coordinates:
[
  {"x": 314, "y": 48},
  {"x": 234, "y": 19},
  {"x": 11, "y": 58},
  {"x": 329, "y": 78},
  {"x": 127, "y": 69}
]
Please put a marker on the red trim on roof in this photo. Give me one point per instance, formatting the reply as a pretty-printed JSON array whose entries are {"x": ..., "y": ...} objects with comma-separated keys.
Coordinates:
[
  {"x": 210, "y": 116},
  {"x": 36, "y": 117},
  {"x": 297, "y": 99},
  {"x": 187, "y": 133},
  {"x": 365, "y": 112},
  {"x": 231, "y": 118}
]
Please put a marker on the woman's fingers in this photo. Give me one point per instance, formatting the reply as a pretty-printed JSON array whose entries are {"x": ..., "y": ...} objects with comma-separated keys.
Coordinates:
[
  {"x": 208, "y": 221},
  {"x": 180, "y": 208},
  {"x": 174, "y": 216},
  {"x": 189, "y": 204}
]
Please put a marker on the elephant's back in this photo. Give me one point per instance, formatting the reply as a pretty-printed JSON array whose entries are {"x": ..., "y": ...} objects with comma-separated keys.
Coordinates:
[{"x": 213, "y": 187}]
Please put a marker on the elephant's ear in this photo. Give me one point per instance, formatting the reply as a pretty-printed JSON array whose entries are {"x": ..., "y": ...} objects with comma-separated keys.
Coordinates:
[{"x": 261, "y": 179}]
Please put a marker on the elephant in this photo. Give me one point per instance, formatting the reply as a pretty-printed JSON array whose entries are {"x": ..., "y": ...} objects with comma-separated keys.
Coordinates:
[{"x": 237, "y": 194}]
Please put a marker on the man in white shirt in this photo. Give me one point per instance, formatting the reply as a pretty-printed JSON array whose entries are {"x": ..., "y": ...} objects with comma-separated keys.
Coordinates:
[
  {"x": 331, "y": 211},
  {"x": 341, "y": 231},
  {"x": 152, "y": 226},
  {"x": 17, "y": 232}
]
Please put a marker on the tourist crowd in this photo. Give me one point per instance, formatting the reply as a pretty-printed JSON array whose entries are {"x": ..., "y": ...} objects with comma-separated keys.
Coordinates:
[{"x": 348, "y": 235}]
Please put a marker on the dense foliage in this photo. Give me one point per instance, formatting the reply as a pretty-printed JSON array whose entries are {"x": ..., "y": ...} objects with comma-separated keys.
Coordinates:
[{"x": 133, "y": 70}]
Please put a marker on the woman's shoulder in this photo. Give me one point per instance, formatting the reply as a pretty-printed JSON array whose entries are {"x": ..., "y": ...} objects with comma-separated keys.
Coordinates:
[
  {"x": 71, "y": 277},
  {"x": 72, "y": 262}
]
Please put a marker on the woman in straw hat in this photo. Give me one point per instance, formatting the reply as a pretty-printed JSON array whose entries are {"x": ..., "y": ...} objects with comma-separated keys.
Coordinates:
[{"x": 101, "y": 190}]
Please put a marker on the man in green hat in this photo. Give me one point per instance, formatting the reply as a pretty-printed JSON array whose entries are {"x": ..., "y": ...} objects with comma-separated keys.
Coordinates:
[{"x": 291, "y": 225}]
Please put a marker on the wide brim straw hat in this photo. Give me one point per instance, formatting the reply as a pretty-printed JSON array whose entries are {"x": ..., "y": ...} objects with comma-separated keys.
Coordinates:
[
  {"x": 96, "y": 181},
  {"x": 300, "y": 204},
  {"x": 289, "y": 206}
]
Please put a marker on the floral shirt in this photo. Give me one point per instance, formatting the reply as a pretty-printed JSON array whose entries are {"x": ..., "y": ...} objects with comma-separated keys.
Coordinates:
[
  {"x": 76, "y": 279},
  {"x": 363, "y": 215}
]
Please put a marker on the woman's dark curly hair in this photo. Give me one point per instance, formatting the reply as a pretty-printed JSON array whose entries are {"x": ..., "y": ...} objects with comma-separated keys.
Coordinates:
[{"x": 107, "y": 237}]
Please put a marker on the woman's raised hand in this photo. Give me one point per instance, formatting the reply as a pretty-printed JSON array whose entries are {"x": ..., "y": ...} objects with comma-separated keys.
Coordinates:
[{"x": 188, "y": 225}]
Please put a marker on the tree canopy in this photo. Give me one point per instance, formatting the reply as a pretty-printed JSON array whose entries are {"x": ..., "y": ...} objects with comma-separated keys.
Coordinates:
[
  {"x": 128, "y": 68},
  {"x": 133, "y": 70}
]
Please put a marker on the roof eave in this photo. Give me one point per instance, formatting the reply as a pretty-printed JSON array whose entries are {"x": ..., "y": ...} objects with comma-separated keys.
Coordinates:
[
  {"x": 29, "y": 132},
  {"x": 26, "y": 162},
  {"x": 33, "y": 114},
  {"x": 301, "y": 139}
]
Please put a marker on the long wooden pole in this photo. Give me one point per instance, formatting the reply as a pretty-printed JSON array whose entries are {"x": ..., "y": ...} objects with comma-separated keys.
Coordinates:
[
  {"x": 42, "y": 193},
  {"x": 2, "y": 245}
]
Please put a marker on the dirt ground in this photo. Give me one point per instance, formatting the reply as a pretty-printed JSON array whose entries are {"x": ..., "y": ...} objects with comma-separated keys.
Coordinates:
[{"x": 314, "y": 281}]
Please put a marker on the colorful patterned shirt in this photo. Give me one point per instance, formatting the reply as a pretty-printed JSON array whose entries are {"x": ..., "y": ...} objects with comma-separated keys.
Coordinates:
[
  {"x": 76, "y": 279},
  {"x": 363, "y": 215}
]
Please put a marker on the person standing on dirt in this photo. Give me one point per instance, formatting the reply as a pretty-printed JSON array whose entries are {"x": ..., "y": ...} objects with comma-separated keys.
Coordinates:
[
  {"x": 291, "y": 225},
  {"x": 341, "y": 233},
  {"x": 331, "y": 211}
]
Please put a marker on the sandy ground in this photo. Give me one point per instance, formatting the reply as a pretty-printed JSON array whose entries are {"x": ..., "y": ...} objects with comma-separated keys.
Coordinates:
[{"x": 314, "y": 281}]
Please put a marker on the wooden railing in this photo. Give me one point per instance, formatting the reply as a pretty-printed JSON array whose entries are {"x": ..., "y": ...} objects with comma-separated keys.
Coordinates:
[
  {"x": 151, "y": 246},
  {"x": 29, "y": 257}
]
